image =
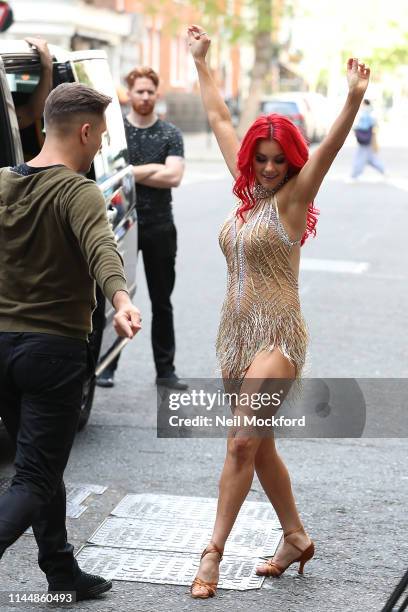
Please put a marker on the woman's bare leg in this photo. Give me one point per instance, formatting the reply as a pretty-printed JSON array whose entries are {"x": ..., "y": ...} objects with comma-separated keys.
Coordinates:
[
  {"x": 235, "y": 481},
  {"x": 273, "y": 473},
  {"x": 238, "y": 471},
  {"x": 274, "y": 478}
]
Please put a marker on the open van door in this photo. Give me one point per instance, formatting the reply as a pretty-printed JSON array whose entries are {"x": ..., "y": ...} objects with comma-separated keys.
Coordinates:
[
  {"x": 19, "y": 75},
  {"x": 10, "y": 151}
]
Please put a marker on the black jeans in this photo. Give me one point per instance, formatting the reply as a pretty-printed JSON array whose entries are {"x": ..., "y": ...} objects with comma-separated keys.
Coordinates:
[
  {"x": 41, "y": 381},
  {"x": 158, "y": 244}
]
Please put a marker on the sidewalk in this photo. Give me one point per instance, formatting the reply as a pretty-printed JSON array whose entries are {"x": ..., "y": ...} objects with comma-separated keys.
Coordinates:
[
  {"x": 205, "y": 161},
  {"x": 201, "y": 146}
]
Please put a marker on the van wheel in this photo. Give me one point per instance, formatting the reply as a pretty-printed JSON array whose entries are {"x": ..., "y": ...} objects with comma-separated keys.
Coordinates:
[{"x": 87, "y": 401}]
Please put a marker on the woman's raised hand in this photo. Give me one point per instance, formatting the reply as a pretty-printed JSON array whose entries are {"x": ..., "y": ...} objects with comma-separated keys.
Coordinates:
[
  {"x": 198, "y": 41},
  {"x": 357, "y": 76}
]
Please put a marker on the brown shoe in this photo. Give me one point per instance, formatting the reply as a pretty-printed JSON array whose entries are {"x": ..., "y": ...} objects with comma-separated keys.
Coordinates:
[
  {"x": 210, "y": 587},
  {"x": 271, "y": 568}
]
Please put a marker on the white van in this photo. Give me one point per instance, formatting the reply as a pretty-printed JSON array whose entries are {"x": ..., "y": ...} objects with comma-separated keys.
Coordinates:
[{"x": 19, "y": 74}]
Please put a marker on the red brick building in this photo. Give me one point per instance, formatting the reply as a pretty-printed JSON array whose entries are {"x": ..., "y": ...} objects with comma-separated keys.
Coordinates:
[{"x": 159, "y": 40}]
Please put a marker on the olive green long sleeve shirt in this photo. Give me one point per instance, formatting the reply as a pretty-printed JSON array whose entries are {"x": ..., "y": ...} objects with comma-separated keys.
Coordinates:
[{"x": 55, "y": 241}]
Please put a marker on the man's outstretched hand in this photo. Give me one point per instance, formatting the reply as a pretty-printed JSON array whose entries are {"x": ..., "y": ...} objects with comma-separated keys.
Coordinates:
[
  {"x": 127, "y": 320},
  {"x": 41, "y": 45}
]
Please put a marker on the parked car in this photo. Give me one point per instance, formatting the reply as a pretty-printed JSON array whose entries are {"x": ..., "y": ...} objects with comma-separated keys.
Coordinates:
[
  {"x": 307, "y": 110},
  {"x": 319, "y": 110},
  {"x": 19, "y": 75},
  {"x": 294, "y": 109}
]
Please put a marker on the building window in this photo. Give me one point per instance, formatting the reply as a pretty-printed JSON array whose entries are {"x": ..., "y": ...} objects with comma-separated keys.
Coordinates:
[
  {"x": 179, "y": 62},
  {"x": 151, "y": 48},
  {"x": 156, "y": 42},
  {"x": 146, "y": 46}
]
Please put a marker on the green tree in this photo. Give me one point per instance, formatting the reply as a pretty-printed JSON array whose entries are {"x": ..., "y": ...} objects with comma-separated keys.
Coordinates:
[
  {"x": 256, "y": 25},
  {"x": 263, "y": 56},
  {"x": 389, "y": 59}
]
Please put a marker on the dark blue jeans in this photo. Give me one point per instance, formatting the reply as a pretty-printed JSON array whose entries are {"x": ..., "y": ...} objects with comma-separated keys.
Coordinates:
[{"x": 41, "y": 381}]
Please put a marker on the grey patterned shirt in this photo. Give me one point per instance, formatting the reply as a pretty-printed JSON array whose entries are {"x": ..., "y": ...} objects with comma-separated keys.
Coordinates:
[{"x": 152, "y": 145}]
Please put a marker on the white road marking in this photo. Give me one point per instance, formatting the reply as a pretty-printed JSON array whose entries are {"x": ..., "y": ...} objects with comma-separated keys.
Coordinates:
[
  {"x": 398, "y": 182},
  {"x": 333, "y": 265},
  {"x": 388, "y": 277}
]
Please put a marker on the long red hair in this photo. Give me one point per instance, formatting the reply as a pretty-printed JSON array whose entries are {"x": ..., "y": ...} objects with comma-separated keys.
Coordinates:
[{"x": 295, "y": 149}]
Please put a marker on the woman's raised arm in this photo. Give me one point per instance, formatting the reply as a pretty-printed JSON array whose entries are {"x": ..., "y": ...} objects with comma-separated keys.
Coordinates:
[
  {"x": 218, "y": 114},
  {"x": 309, "y": 179}
]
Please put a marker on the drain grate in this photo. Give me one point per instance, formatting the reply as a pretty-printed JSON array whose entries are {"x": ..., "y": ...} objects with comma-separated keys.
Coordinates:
[{"x": 159, "y": 538}]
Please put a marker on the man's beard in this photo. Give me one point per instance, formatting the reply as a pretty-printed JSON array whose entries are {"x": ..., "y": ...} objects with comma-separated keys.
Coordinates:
[{"x": 143, "y": 109}]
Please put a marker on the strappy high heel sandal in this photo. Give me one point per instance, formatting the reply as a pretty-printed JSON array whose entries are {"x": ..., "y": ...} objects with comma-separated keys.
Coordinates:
[
  {"x": 271, "y": 568},
  {"x": 210, "y": 587}
]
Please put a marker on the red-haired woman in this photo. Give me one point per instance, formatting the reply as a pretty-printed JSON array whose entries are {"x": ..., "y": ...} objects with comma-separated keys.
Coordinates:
[{"x": 262, "y": 335}]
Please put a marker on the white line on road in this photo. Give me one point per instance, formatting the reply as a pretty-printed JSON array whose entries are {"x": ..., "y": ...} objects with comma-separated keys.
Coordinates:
[
  {"x": 398, "y": 182},
  {"x": 333, "y": 265}
]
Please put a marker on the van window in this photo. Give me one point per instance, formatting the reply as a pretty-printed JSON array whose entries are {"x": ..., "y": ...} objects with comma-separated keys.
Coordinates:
[
  {"x": 22, "y": 82},
  {"x": 113, "y": 155},
  {"x": 10, "y": 150}
]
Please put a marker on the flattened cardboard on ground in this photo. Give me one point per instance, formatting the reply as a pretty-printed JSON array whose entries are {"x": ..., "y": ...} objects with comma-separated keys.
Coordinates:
[
  {"x": 165, "y": 567},
  {"x": 166, "y": 507},
  {"x": 159, "y": 538},
  {"x": 248, "y": 539},
  {"x": 76, "y": 494}
]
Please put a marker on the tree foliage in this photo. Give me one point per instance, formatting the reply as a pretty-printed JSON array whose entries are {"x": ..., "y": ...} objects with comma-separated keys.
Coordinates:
[
  {"x": 252, "y": 22},
  {"x": 253, "y": 17},
  {"x": 391, "y": 58},
  {"x": 387, "y": 57}
]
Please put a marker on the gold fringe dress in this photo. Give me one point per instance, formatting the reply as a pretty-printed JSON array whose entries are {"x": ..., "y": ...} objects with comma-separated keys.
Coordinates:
[{"x": 261, "y": 310}]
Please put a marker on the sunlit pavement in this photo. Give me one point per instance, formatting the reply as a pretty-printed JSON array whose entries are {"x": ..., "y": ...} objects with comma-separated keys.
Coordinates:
[
  {"x": 202, "y": 146},
  {"x": 352, "y": 493}
]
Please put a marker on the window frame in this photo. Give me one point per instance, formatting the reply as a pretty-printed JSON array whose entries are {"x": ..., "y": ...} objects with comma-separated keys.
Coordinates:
[{"x": 10, "y": 131}]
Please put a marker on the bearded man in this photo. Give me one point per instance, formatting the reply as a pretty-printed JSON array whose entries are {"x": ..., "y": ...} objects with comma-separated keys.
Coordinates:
[{"x": 157, "y": 154}]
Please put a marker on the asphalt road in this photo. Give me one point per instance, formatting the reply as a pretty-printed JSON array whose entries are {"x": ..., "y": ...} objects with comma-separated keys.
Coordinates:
[{"x": 352, "y": 493}]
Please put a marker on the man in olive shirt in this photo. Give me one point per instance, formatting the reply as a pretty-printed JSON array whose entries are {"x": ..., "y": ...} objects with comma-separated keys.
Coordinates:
[{"x": 55, "y": 239}]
